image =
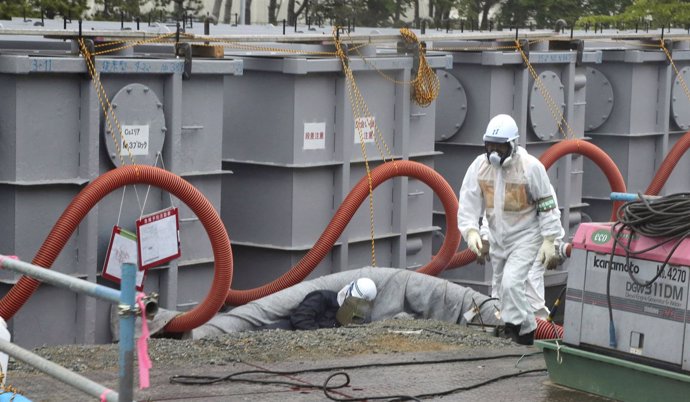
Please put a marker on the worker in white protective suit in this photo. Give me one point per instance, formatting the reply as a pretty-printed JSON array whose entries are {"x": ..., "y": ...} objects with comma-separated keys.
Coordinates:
[
  {"x": 534, "y": 288},
  {"x": 511, "y": 188}
]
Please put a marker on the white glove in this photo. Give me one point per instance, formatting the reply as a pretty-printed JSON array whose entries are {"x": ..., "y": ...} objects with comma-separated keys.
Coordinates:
[
  {"x": 474, "y": 242},
  {"x": 484, "y": 257},
  {"x": 547, "y": 254}
]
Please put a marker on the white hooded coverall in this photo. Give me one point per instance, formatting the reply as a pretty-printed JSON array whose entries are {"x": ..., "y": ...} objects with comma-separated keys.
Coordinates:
[{"x": 508, "y": 195}]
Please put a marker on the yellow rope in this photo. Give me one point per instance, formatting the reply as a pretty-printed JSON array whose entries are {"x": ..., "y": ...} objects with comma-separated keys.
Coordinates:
[
  {"x": 356, "y": 109},
  {"x": 6, "y": 388},
  {"x": 673, "y": 65},
  {"x": 555, "y": 110},
  {"x": 426, "y": 85},
  {"x": 107, "y": 111},
  {"x": 130, "y": 44}
]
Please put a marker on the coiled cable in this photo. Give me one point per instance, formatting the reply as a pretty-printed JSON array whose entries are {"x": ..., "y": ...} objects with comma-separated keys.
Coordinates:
[{"x": 665, "y": 218}]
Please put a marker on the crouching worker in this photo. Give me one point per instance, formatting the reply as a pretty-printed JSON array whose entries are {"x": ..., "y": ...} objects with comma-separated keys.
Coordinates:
[{"x": 329, "y": 309}]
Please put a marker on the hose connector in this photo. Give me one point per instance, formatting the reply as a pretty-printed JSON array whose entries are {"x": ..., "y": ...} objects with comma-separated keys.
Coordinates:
[
  {"x": 563, "y": 251},
  {"x": 151, "y": 305}
]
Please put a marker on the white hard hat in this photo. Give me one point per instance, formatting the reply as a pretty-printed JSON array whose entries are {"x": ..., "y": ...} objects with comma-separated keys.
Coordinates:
[
  {"x": 363, "y": 288},
  {"x": 501, "y": 129}
]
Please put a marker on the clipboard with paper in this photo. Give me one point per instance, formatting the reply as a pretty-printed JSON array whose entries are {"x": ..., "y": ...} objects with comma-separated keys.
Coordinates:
[
  {"x": 121, "y": 249},
  {"x": 158, "y": 238}
]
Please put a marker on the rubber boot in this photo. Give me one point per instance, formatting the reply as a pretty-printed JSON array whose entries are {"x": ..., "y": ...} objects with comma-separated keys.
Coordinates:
[{"x": 512, "y": 331}]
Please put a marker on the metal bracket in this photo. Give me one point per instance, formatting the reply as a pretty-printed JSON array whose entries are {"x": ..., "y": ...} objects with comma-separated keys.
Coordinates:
[
  {"x": 125, "y": 310},
  {"x": 576, "y": 44},
  {"x": 580, "y": 48},
  {"x": 184, "y": 50},
  {"x": 668, "y": 44},
  {"x": 405, "y": 48},
  {"x": 346, "y": 52},
  {"x": 524, "y": 45},
  {"x": 150, "y": 307},
  {"x": 91, "y": 48}
]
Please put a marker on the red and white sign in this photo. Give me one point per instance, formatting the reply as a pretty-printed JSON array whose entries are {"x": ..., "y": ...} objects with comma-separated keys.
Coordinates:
[
  {"x": 314, "y": 136},
  {"x": 122, "y": 249},
  {"x": 365, "y": 129},
  {"x": 158, "y": 237}
]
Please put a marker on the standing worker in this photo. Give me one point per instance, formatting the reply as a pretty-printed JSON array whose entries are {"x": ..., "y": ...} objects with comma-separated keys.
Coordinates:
[{"x": 512, "y": 189}]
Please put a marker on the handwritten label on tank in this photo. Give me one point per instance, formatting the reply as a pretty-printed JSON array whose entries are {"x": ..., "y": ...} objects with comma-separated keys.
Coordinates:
[
  {"x": 365, "y": 128},
  {"x": 314, "y": 136},
  {"x": 136, "y": 139}
]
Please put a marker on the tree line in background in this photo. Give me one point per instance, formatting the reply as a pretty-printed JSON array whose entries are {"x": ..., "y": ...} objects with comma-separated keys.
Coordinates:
[
  {"x": 453, "y": 14},
  {"x": 107, "y": 10}
]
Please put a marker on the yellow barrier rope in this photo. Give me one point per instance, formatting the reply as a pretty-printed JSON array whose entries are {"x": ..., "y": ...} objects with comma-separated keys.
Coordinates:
[
  {"x": 107, "y": 111},
  {"x": 555, "y": 110},
  {"x": 673, "y": 65}
]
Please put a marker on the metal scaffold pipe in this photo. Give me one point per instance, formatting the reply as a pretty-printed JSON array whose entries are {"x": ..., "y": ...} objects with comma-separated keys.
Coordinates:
[
  {"x": 126, "y": 300},
  {"x": 55, "y": 370},
  {"x": 61, "y": 280}
]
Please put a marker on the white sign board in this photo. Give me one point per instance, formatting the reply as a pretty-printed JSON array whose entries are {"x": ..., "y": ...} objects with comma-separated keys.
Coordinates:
[
  {"x": 314, "y": 136},
  {"x": 136, "y": 138},
  {"x": 365, "y": 129},
  {"x": 122, "y": 249},
  {"x": 158, "y": 236}
]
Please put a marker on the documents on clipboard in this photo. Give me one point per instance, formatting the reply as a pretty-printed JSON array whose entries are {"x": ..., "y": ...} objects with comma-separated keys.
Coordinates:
[
  {"x": 158, "y": 238},
  {"x": 122, "y": 249}
]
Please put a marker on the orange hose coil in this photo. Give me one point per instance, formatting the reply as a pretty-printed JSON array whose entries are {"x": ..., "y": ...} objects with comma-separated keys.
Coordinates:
[
  {"x": 102, "y": 186},
  {"x": 596, "y": 155}
]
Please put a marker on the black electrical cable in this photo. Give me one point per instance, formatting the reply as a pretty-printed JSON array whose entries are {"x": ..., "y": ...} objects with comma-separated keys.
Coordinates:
[
  {"x": 207, "y": 380},
  {"x": 429, "y": 395},
  {"x": 326, "y": 388},
  {"x": 553, "y": 311},
  {"x": 485, "y": 301},
  {"x": 665, "y": 217},
  {"x": 235, "y": 377}
]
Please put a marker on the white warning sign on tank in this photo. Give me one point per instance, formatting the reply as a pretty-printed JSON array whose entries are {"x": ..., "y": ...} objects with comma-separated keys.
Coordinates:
[
  {"x": 365, "y": 129},
  {"x": 314, "y": 136},
  {"x": 135, "y": 140}
]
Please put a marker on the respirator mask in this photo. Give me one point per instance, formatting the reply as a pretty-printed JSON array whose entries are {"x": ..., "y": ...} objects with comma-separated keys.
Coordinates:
[{"x": 498, "y": 153}]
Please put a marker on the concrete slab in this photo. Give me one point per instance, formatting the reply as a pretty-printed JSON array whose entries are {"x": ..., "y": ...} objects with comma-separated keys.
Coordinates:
[{"x": 423, "y": 373}]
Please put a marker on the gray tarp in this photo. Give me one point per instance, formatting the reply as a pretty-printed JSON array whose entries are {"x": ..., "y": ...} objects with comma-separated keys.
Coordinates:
[{"x": 399, "y": 291}]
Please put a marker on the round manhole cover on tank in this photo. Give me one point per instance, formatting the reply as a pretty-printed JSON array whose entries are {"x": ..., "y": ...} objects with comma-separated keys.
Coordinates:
[
  {"x": 451, "y": 106},
  {"x": 599, "y": 99},
  {"x": 680, "y": 102},
  {"x": 544, "y": 120},
  {"x": 139, "y": 115}
]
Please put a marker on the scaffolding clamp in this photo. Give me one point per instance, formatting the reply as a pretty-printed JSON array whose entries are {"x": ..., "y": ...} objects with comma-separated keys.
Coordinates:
[{"x": 184, "y": 50}]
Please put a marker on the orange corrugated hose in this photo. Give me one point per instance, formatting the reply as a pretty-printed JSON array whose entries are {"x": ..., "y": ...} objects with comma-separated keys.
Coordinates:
[
  {"x": 345, "y": 212},
  {"x": 596, "y": 155},
  {"x": 102, "y": 186},
  {"x": 668, "y": 164}
]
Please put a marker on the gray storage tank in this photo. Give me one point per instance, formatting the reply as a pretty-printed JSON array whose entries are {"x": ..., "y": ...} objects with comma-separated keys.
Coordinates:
[
  {"x": 286, "y": 184},
  {"x": 54, "y": 141}
]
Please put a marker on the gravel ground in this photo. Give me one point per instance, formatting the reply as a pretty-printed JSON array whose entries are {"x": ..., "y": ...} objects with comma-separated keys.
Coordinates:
[{"x": 384, "y": 337}]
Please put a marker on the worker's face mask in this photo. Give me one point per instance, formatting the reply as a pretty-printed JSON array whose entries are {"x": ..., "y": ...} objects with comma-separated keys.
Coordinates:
[
  {"x": 354, "y": 311},
  {"x": 498, "y": 153}
]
